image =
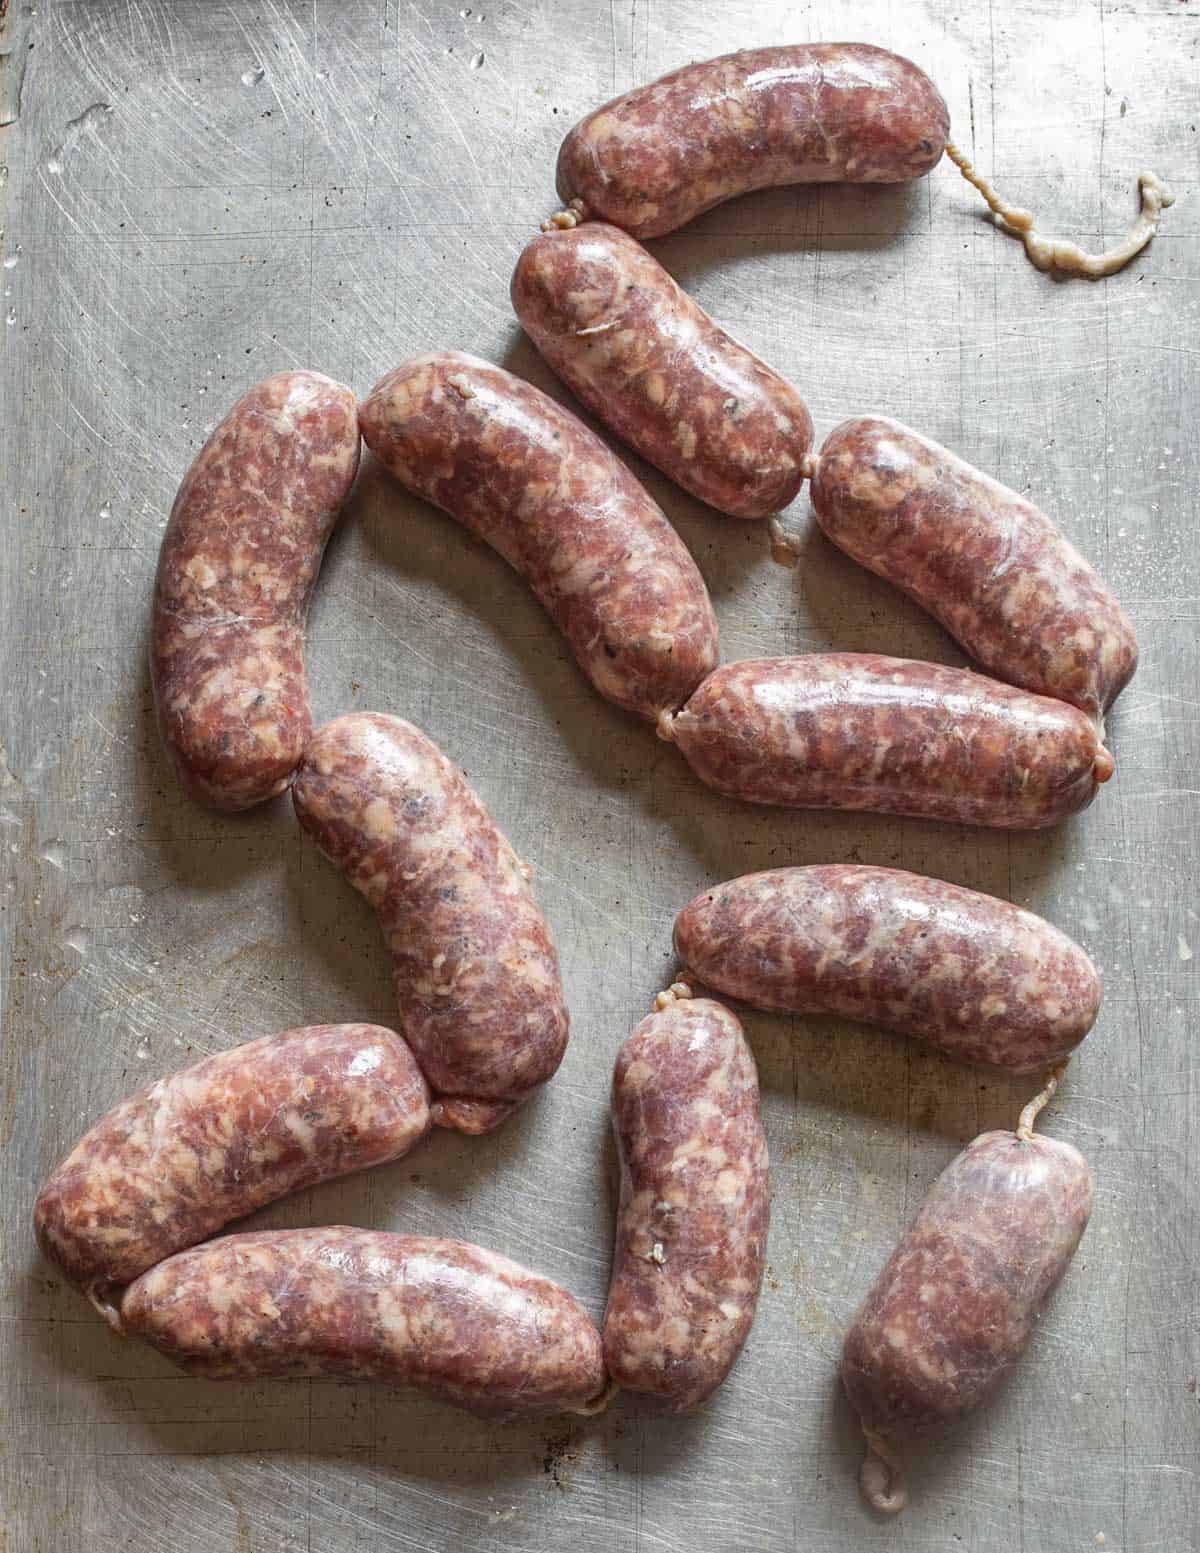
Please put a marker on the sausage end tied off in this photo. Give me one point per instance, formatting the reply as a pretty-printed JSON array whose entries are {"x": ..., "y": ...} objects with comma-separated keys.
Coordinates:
[
  {"x": 653, "y": 366},
  {"x": 695, "y": 1204},
  {"x": 527, "y": 476},
  {"x": 807, "y": 113},
  {"x": 986, "y": 563},
  {"x": 955, "y": 1306},
  {"x": 980, "y": 979},
  {"x": 236, "y": 572},
  {"x": 199, "y": 1148},
  {"x": 475, "y": 971},
  {"x": 452, "y": 1320},
  {"x": 861, "y": 731}
]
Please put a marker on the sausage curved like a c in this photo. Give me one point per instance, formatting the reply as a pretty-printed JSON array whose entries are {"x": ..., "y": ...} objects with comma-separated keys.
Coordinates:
[
  {"x": 801, "y": 113},
  {"x": 476, "y": 974},
  {"x": 524, "y": 474},
  {"x": 236, "y": 571}
]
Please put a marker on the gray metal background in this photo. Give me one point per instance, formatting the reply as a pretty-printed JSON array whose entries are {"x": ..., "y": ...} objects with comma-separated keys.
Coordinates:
[{"x": 339, "y": 184}]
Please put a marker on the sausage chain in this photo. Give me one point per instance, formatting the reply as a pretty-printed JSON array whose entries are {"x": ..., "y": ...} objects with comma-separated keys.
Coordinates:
[
  {"x": 477, "y": 978},
  {"x": 236, "y": 570}
]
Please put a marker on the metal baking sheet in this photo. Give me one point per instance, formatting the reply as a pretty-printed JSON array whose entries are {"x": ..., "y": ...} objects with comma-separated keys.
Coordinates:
[{"x": 198, "y": 194}]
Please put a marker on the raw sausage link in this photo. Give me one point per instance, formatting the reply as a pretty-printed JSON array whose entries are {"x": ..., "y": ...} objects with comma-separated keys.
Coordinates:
[
  {"x": 655, "y": 367},
  {"x": 861, "y": 731},
  {"x": 236, "y": 571},
  {"x": 184, "y": 1156},
  {"x": 476, "y": 975},
  {"x": 985, "y": 562},
  {"x": 514, "y": 467},
  {"x": 452, "y": 1320},
  {"x": 695, "y": 1203},
  {"x": 808, "y": 113},
  {"x": 976, "y": 977},
  {"x": 954, "y": 1308}
]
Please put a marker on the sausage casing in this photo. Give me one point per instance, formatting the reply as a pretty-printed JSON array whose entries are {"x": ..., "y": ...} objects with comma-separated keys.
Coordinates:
[
  {"x": 805, "y": 113},
  {"x": 476, "y": 974},
  {"x": 862, "y": 731},
  {"x": 977, "y": 977},
  {"x": 695, "y": 1204},
  {"x": 954, "y": 1308},
  {"x": 199, "y": 1148},
  {"x": 236, "y": 571},
  {"x": 655, "y": 368},
  {"x": 986, "y": 563},
  {"x": 447, "y": 1318},
  {"x": 527, "y": 476}
]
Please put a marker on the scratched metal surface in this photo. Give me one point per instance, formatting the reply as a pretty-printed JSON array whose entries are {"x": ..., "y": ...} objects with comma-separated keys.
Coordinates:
[{"x": 199, "y": 194}]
